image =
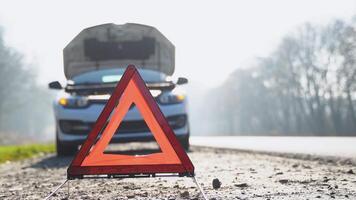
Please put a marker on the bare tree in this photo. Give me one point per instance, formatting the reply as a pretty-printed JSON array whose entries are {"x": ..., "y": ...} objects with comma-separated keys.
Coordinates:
[{"x": 306, "y": 87}]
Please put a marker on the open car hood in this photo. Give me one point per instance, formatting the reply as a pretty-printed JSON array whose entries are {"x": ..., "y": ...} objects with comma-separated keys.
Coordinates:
[{"x": 116, "y": 46}]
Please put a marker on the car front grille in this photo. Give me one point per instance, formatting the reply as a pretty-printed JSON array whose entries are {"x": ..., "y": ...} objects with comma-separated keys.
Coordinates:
[{"x": 77, "y": 127}]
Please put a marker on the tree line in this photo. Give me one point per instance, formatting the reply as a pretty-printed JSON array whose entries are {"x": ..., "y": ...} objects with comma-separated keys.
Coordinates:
[
  {"x": 25, "y": 110},
  {"x": 305, "y": 87}
]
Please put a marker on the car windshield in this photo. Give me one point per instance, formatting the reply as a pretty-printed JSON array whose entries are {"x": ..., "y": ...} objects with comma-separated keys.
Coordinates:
[{"x": 114, "y": 75}]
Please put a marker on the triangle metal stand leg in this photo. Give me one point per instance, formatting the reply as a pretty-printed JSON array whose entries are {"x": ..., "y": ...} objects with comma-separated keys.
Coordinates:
[
  {"x": 68, "y": 190},
  {"x": 68, "y": 194},
  {"x": 200, "y": 188},
  {"x": 52, "y": 193}
]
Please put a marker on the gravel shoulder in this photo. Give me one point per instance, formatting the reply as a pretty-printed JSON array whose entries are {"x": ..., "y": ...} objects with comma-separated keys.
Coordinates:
[{"x": 243, "y": 175}]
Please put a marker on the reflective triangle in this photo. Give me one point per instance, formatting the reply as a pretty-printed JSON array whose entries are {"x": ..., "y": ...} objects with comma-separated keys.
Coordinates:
[{"x": 91, "y": 160}]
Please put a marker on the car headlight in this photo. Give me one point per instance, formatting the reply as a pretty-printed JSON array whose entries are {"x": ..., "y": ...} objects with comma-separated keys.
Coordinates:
[
  {"x": 171, "y": 98},
  {"x": 74, "y": 102}
]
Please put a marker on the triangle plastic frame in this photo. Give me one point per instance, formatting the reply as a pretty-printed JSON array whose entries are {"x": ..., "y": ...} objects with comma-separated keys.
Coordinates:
[{"x": 182, "y": 165}]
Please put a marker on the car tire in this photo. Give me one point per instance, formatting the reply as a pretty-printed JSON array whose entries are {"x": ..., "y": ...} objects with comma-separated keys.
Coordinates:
[
  {"x": 185, "y": 143},
  {"x": 65, "y": 149}
]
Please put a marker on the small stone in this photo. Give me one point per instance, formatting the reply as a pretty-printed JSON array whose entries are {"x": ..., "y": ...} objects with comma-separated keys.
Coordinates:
[
  {"x": 295, "y": 165},
  {"x": 326, "y": 179},
  {"x": 184, "y": 194},
  {"x": 283, "y": 181},
  {"x": 350, "y": 171},
  {"x": 216, "y": 183},
  {"x": 242, "y": 185},
  {"x": 306, "y": 166}
]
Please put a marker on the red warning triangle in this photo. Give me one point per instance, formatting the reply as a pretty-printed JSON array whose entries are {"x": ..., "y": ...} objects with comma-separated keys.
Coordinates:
[{"x": 91, "y": 160}]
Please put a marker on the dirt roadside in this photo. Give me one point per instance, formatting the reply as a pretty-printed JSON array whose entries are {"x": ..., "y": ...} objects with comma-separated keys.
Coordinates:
[{"x": 243, "y": 175}]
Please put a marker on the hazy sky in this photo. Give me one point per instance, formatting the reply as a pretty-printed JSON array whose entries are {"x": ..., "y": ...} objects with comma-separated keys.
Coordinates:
[{"x": 211, "y": 39}]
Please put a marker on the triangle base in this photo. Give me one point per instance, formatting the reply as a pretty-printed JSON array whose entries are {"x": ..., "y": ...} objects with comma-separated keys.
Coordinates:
[{"x": 128, "y": 171}]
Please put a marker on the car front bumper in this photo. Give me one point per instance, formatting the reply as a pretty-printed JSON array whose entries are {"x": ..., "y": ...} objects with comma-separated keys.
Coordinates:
[{"x": 133, "y": 128}]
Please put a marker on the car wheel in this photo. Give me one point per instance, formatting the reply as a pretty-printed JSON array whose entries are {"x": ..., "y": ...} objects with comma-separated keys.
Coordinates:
[
  {"x": 185, "y": 143},
  {"x": 65, "y": 149}
]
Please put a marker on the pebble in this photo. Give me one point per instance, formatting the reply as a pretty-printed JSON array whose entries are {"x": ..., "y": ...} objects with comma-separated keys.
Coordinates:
[
  {"x": 284, "y": 181},
  {"x": 145, "y": 194},
  {"x": 241, "y": 185},
  {"x": 184, "y": 194},
  {"x": 306, "y": 166},
  {"x": 326, "y": 179},
  {"x": 216, "y": 183}
]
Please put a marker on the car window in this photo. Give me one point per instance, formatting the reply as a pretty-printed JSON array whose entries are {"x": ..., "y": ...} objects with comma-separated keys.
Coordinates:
[{"x": 114, "y": 75}]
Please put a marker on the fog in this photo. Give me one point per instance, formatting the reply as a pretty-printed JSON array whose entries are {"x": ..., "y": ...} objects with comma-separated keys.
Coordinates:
[
  {"x": 25, "y": 112},
  {"x": 305, "y": 87},
  {"x": 254, "y": 68}
]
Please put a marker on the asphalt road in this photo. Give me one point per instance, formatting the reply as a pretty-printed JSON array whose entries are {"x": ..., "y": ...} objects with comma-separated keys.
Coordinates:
[
  {"x": 243, "y": 175},
  {"x": 344, "y": 147}
]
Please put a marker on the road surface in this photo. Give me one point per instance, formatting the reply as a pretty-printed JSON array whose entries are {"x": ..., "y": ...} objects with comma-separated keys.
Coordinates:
[
  {"x": 243, "y": 175},
  {"x": 344, "y": 147}
]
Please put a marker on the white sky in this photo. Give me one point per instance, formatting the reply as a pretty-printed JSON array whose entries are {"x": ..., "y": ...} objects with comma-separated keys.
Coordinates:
[{"x": 211, "y": 39}]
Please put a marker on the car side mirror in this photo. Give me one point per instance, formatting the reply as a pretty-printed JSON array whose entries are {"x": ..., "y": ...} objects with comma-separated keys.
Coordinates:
[
  {"x": 182, "y": 80},
  {"x": 55, "y": 85}
]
